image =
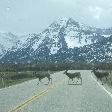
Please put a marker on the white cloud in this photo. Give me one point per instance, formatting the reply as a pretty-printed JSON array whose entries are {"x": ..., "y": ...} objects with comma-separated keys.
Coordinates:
[
  {"x": 96, "y": 12},
  {"x": 65, "y": 2}
]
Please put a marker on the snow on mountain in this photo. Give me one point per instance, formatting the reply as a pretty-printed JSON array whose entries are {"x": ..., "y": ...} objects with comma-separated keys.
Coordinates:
[
  {"x": 10, "y": 42},
  {"x": 75, "y": 35},
  {"x": 7, "y": 40},
  {"x": 57, "y": 41},
  {"x": 20, "y": 42},
  {"x": 49, "y": 35}
]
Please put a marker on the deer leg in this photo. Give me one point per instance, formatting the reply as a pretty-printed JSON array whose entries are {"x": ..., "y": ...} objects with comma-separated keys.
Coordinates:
[
  {"x": 68, "y": 80},
  {"x": 106, "y": 78},
  {"x": 74, "y": 79},
  {"x": 39, "y": 81},
  {"x": 51, "y": 80},
  {"x": 3, "y": 82},
  {"x": 81, "y": 80},
  {"x": 48, "y": 81},
  {"x": 77, "y": 79},
  {"x": 97, "y": 79},
  {"x": 101, "y": 81}
]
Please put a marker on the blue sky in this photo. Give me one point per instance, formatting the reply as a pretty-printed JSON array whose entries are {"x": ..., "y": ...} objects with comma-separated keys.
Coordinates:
[{"x": 28, "y": 16}]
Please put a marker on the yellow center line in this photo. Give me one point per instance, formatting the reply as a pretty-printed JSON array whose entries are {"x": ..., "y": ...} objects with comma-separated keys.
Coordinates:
[{"x": 28, "y": 101}]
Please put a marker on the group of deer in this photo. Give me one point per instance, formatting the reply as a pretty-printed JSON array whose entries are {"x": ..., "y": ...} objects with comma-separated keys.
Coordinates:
[
  {"x": 72, "y": 76},
  {"x": 47, "y": 75}
]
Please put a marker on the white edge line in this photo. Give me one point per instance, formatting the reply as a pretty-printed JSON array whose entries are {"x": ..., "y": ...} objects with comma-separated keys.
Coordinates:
[{"x": 109, "y": 93}]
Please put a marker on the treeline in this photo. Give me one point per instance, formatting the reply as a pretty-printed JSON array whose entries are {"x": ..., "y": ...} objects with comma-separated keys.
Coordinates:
[{"x": 54, "y": 66}]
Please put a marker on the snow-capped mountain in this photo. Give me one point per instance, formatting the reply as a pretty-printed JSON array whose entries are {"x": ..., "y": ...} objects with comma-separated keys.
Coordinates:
[
  {"x": 7, "y": 40},
  {"x": 64, "y": 39},
  {"x": 10, "y": 42}
]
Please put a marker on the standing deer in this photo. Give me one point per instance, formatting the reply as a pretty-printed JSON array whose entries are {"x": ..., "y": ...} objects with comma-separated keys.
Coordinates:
[{"x": 73, "y": 76}]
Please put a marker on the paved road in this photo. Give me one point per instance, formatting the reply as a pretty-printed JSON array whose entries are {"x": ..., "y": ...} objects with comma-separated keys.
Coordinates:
[{"x": 58, "y": 97}]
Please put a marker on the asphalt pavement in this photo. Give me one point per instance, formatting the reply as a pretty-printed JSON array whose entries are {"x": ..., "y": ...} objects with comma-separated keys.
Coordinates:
[{"x": 56, "y": 97}]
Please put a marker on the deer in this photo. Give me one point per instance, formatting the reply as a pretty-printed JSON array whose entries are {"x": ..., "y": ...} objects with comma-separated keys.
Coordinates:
[
  {"x": 100, "y": 75},
  {"x": 42, "y": 76},
  {"x": 73, "y": 76}
]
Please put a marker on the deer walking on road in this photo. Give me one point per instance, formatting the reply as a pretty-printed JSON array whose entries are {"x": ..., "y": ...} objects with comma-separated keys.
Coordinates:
[
  {"x": 73, "y": 76},
  {"x": 42, "y": 76}
]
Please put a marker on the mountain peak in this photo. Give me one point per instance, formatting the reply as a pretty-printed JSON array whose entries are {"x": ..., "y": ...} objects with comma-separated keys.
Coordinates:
[{"x": 63, "y": 22}]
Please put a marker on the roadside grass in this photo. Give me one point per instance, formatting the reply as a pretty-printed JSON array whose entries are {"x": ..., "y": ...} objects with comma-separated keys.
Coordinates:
[{"x": 13, "y": 78}]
